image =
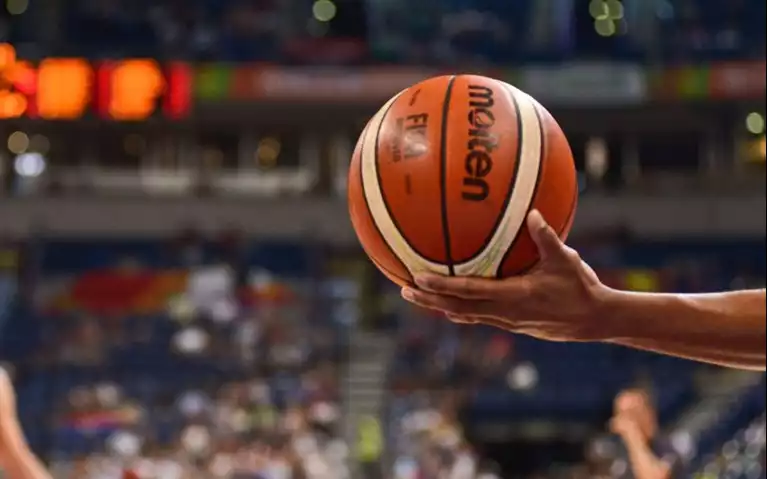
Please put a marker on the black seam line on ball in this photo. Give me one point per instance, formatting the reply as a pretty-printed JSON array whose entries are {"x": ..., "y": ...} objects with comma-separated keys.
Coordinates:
[{"x": 443, "y": 175}]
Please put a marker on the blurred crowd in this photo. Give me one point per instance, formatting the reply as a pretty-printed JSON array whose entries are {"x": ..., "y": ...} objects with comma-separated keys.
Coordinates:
[
  {"x": 447, "y": 376},
  {"x": 190, "y": 359},
  {"x": 181, "y": 371},
  {"x": 200, "y": 359},
  {"x": 741, "y": 456},
  {"x": 349, "y": 31}
]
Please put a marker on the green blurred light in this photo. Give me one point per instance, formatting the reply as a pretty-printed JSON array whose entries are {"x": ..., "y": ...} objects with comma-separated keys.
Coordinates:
[
  {"x": 324, "y": 10},
  {"x": 605, "y": 27},
  {"x": 598, "y": 9},
  {"x": 755, "y": 123},
  {"x": 16, "y": 7},
  {"x": 614, "y": 9},
  {"x": 606, "y": 9}
]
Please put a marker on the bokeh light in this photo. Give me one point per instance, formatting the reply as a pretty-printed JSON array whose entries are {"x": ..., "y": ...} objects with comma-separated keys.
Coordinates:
[{"x": 324, "y": 10}]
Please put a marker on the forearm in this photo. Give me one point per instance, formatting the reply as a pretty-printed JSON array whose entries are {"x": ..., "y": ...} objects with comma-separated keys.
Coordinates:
[
  {"x": 644, "y": 464},
  {"x": 17, "y": 459},
  {"x": 24, "y": 465},
  {"x": 726, "y": 329}
]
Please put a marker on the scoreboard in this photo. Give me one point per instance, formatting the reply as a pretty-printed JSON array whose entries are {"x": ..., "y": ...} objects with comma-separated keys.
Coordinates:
[{"x": 75, "y": 88}]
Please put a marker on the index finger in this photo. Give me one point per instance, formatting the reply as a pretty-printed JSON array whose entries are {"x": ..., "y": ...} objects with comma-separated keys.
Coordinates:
[{"x": 472, "y": 287}]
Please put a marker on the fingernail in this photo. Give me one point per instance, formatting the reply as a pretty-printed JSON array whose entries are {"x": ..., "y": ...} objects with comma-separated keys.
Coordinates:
[
  {"x": 407, "y": 293},
  {"x": 421, "y": 279}
]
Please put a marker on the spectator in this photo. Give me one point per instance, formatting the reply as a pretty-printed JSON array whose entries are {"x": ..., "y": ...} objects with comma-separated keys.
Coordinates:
[
  {"x": 650, "y": 456},
  {"x": 370, "y": 447},
  {"x": 185, "y": 378}
]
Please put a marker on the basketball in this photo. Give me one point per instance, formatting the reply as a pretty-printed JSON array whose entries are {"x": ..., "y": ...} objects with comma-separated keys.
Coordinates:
[{"x": 444, "y": 174}]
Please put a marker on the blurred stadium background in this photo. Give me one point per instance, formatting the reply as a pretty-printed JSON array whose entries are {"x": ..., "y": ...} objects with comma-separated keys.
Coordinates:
[{"x": 181, "y": 295}]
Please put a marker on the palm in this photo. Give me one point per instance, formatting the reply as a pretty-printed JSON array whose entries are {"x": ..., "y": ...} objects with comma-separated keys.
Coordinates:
[{"x": 555, "y": 301}]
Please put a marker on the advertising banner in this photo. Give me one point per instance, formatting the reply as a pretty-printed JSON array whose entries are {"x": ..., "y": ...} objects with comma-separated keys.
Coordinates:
[
  {"x": 738, "y": 80},
  {"x": 309, "y": 84},
  {"x": 608, "y": 84},
  {"x": 721, "y": 81}
]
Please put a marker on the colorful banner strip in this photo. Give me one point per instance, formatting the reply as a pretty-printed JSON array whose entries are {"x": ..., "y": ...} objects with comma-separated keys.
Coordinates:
[{"x": 567, "y": 84}]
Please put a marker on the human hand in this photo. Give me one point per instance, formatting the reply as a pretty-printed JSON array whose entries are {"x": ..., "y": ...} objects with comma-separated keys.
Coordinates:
[
  {"x": 561, "y": 299},
  {"x": 626, "y": 426},
  {"x": 630, "y": 401}
]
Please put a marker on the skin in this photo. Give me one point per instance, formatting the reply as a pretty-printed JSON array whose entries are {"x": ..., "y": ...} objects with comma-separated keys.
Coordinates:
[
  {"x": 562, "y": 299},
  {"x": 635, "y": 422},
  {"x": 16, "y": 459}
]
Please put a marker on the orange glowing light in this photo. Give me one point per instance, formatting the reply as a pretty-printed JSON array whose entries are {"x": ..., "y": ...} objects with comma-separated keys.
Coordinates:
[
  {"x": 12, "y": 105},
  {"x": 63, "y": 88},
  {"x": 136, "y": 87}
]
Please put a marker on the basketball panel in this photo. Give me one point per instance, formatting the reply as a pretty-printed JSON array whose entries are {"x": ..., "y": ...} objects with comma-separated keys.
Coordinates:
[
  {"x": 370, "y": 237},
  {"x": 530, "y": 137},
  {"x": 408, "y": 166},
  {"x": 482, "y": 151},
  {"x": 556, "y": 195},
  {"x": 376, "y": 206}
]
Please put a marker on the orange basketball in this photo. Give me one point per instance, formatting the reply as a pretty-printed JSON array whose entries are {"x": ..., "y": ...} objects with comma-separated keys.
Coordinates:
[{"x": 443, "y": 176}]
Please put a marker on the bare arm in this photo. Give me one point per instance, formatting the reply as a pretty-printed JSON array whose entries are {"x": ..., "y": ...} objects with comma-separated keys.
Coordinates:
[
  {"x": 15, "y": 456},
  {"x": 644, "y": 463},
  {"x": 19, "y": 462},
  {"x": 562, "y": 299},
  {"x": 727, "y": 329}
]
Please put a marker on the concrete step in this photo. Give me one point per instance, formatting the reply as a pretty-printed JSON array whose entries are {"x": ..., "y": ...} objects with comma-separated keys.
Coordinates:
[
  {"x": 365, "y": 381},
  {"x": 371, "y": 347},
  {"x": 369, "y": 366},
  {"x": 357, "y": 378},
  {"x": 357, "y": 402},
  {"x": 366, "y": 377},
  {"x": 366, "y": 404},
  {"x": 364, "y": 392},
  {"x": 366, "y": 408}
]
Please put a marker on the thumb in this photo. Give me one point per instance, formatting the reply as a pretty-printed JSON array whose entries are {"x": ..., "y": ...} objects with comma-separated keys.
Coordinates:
[{"x": 548, "y": 242}]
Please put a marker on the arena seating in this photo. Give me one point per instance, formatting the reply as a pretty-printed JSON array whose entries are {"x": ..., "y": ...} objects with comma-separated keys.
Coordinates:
[
  {"x": 132, "y": 362},
  {"x": 484, "y": 31},
  {"x": 193, "y": 359},
  {"x": 742, "y": 456},
  {"x": 519, "y": 379},
  {"x": 699, "y": 30},
  {"x": 151, "y": 346}
]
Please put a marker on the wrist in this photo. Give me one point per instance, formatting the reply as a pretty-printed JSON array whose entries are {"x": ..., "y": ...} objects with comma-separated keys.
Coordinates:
[
  {"x": 611, "y": 314},
  {"x": 632, "y": 437}
]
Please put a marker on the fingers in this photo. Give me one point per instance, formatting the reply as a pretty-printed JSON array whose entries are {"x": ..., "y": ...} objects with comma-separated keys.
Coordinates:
[
  {"x": 481, "y": 320},
  {"x": 495, "y": 323},
  {"x": 502, "y": 324},
  {"x": 507, "y": 290},
  {"x": 458, "y": 319},
  {"x": 545, "y": 238},
  {"x": 448, "y": 304},
  {"x": 461, "y": 287}
]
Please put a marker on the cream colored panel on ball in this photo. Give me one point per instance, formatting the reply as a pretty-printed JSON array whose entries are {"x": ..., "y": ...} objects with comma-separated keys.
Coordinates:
[
  {"x": 488, "y": 262},
  {"x": 414, "y": 262}
]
